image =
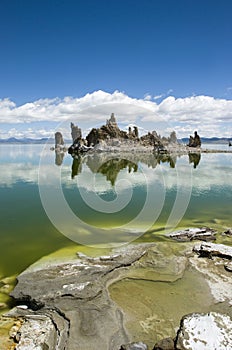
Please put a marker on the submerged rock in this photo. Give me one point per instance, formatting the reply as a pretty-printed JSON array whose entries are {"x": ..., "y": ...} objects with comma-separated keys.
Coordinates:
[{"x": 205, "y": 332}]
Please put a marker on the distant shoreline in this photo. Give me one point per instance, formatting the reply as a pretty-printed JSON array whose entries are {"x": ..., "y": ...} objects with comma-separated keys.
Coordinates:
[
  {"x": 178, "y": 149},
  {"x": 12, "y": 140}
]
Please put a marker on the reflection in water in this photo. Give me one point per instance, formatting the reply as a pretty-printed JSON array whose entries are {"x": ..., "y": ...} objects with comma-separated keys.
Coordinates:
[
  {"x": 195, "y": 159},
  {"x": 110, "y": 165},
  {"x": 112, "y": 168},
  {"x": 59, "y": 157},
  {"x": 76, "y": 166},
  {"x": 167, "y": 158}
]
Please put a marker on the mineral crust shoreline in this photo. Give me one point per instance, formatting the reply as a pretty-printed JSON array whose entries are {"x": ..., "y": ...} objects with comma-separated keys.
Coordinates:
[{"x": 68, "y": 306}]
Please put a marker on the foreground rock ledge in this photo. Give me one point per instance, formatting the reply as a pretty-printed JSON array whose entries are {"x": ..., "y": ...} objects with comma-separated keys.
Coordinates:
[
  {"x": 66, "y": 306},
  {"x": 69, "y": 302}
]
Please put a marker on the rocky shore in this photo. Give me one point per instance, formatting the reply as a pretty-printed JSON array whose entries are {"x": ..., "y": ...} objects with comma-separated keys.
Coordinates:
[{"x": 175, "y": 294}]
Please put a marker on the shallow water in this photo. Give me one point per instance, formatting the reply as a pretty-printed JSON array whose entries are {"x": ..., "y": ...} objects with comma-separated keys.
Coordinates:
[
  {"x": 103, "y": 200},
  {"x": 154, "y": 309}
]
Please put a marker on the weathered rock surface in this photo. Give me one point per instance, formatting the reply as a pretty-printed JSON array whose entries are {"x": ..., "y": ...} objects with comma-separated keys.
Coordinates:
[
  {"x": 75, "y": 132},
  {"x": 205, "y": 332},
  {"x": 37, "y": 332},
  {"x": 212, "y": 249},
  {"x": 59, "y": 141},
  {"x": 75, "y": 299},
  {"x": 68, "y": 306},
  {"x": 74, "y": 295},
  {"x": 112, "y": 135},
  {"x": 110, "y": 138},
  {"x": 194, "y": 141},
  {"x": 215, "y": 268},
  {"x": 190, "y": 234},
  {"x": 107, "y": 132}
]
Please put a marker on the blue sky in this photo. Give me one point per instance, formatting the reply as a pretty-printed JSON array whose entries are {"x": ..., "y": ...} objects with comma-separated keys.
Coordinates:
[{"x": 147, "y": 51}]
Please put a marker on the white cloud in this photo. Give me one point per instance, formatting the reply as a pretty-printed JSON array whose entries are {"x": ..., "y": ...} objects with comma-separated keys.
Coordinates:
[
  {"x": 211, "y": 116},
  {"x": 203, "y": 108},
  {"x": 147, "y": 97},
  {"x": 157, "y": 97}
]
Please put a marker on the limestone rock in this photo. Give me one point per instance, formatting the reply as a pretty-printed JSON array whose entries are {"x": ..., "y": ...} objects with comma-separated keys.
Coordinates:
[
  {"x": 190, "y": 234},
  {"x": 195, "y": 141},
  {"x": 172, "y": 137},
  {"x": 75, "y": 133},
  {"x": 106, "y": 132},
  {"x": 74, "y": 296},
  {"x": 70, "y": 303},
  {"x": 165, "y": 344},
  {"x": 59, "y": 141},
  {"x": 151, "y": 139},
  {"x": 212, "y": 249},
  {"x": 112, "y": 121},
  {"x": 205, "y": 332},
  {"x": 36, "y": 333}
]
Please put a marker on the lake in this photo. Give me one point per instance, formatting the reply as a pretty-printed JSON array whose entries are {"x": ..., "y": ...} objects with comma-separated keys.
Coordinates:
[{"x": 51, "y": 201}]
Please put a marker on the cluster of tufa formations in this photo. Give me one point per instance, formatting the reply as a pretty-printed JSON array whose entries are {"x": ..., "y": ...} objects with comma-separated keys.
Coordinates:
[{"x": 110, "y": 135}]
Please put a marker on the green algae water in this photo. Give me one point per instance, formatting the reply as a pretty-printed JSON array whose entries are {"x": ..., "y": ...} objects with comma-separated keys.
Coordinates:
[{"x": 141, "y": 197}]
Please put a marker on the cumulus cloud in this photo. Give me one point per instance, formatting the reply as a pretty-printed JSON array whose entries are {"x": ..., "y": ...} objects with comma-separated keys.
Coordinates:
[
  {"x": 204, "y": 108},
  {"x": 60, "y": 109},
  {"x": 209, "y": 114}
]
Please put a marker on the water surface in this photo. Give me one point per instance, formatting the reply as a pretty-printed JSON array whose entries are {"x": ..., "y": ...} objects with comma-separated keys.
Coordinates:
[{"x": 200, "y": 185}]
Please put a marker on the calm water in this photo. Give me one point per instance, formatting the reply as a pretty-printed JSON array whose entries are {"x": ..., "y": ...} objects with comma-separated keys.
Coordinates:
[{"x": 103, "y": 199}]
